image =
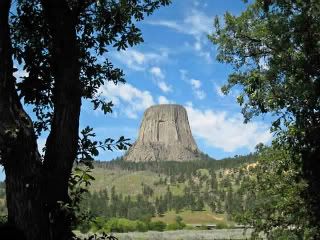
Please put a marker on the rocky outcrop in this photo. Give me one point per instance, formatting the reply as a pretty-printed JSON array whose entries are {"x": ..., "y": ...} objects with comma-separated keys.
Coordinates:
[{"x": 164, "y": 135}]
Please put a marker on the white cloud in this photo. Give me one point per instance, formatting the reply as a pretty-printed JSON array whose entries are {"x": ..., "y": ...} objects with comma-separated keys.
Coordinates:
[
  {"x": 200, "y": 94},
  {"x": 197, "y": 46},
  {"x": 169, "y": 24},
  {"x": 127, "y": 98},
  {"x": 196, "y": 84},
  {"x": 164, "y": 87},
  {"x": 164, "y": 100},
  {"x": 159, "y": 77},
  {"x": 196, "y": 24},
  {"x": 157, "y": 72},
  {"x": 229, "y": 133},
  {"x": 183, "y": 74},
  {"x": 137, "y": 60}
]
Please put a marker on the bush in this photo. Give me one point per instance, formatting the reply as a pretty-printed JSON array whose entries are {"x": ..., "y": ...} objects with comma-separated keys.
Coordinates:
[
  {"x": 172, "y": 226},
  {"x": 180, "y": 223},
  {"x": 283, "y": 235},
  {"x": 222, "y": 225},
  {"x": 141, "y": 226},
  {"x": 120, "y": 225},
  {"x": 97, "y": 224},
  {"x": 203, "y": 227},
  {"x": 84, "y": 227},
  {"x": 157, "y": 226},
  {"x": 188, "y": 227}
]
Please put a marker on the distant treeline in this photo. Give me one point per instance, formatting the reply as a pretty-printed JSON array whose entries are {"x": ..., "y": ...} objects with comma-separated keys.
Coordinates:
[{"x": 173, "y": 167}]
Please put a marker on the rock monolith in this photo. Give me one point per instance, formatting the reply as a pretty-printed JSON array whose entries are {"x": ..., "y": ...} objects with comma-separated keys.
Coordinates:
[{"x": 164, "y": 135}]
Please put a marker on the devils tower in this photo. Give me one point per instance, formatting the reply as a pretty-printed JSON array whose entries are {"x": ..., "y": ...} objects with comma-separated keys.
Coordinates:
[{"x": 164, "y": 135}]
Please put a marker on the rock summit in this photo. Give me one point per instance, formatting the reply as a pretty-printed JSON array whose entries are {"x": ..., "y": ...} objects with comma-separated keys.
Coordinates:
[{"x": 164, "y": 135}]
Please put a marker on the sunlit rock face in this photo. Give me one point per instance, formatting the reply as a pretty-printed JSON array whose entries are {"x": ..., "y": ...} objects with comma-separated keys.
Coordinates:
[{"x": 164, "y": 135}]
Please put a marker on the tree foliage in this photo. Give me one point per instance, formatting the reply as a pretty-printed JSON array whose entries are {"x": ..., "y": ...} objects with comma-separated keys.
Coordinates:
[
  {"x": 100, "y": 26},
  {"x": 274, "y": 49},
  {"x": 273, "y": 196}
]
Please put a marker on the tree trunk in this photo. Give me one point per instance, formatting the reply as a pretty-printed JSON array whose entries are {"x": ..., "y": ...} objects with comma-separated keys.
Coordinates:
[
  {"x": 18, "y": 147},
  {"x": 62, "y": 142},
  {"x": 311, "y": 173}
]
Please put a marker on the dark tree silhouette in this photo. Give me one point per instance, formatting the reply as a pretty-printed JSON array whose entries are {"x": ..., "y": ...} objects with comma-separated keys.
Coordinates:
[{"x": 58, "y": 43}]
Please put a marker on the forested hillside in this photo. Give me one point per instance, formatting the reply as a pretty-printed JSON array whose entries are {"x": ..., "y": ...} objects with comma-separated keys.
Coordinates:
[
  {"x": 200, "y": 192},
  {"x": 164, "y": 186}
]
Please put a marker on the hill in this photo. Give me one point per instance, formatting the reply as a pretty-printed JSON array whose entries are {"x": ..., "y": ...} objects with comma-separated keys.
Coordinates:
[{"x": 200, "y": 192}]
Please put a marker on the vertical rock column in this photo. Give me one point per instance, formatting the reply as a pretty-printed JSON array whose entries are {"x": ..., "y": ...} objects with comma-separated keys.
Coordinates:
[{"x": 164, "y": 135}]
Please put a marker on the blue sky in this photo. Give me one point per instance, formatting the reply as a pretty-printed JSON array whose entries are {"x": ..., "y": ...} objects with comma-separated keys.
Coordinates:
[{"x": 176, "y": 64}]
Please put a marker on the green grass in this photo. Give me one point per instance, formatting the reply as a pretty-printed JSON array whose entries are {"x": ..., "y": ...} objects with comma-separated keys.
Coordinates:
[
  {"x": 127, "y": 182},
  {"x": 193, "y": 217}
]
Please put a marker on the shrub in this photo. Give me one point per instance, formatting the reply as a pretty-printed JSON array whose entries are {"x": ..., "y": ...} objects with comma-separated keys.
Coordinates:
[
  {"x": 120, "y": 225},
  {"x": 157, "y": 226},
  {"x": 84, "y": 227},
  {"x": 98, "y": 224},
  {"x": 222, "y": 225},
  {"x": 141, "y": 226},
  {"x": 172, "y": 226},
  {"x": 283, "y": 235}
]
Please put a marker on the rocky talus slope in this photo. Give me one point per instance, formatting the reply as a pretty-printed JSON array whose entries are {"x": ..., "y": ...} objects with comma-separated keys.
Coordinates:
[{"x": 164, "y": 135}]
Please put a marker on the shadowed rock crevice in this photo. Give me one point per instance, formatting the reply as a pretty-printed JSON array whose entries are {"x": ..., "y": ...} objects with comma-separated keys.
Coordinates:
[{"x": 164, "y": 135}]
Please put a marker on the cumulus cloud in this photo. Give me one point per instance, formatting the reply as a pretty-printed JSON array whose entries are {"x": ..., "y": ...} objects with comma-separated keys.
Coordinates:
[
  {"x": 157, "y": 72},
  {"x": 137, "y": 60},
  {"x": 195, "y": 84},
  {"x": 159, "y": 77},
  {"x": 127, "y": 98},
  {"x": 164, "y": 100},
  {"x": 164, "y": 86},
  {"x": 197, "y": 23},
  {"x": 200, "y": 94},
  {"x": 220, "y": 130}
]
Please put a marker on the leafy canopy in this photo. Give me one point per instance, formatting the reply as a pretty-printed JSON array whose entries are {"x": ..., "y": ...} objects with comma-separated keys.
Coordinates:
[
  {"x": 100, "y": 25},
  {"x": 274, "y": 49},
  {"x": 274, "y": 203}
]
